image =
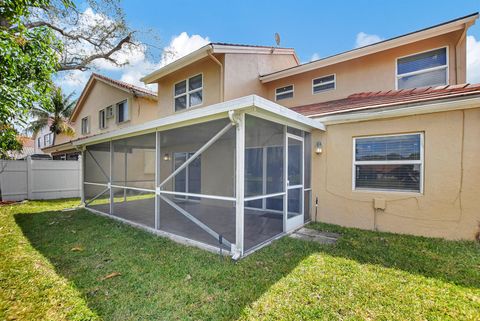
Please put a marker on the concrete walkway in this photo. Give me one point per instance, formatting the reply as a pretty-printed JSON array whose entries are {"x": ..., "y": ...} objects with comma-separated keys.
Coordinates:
[{"x": 316, "y": 236}]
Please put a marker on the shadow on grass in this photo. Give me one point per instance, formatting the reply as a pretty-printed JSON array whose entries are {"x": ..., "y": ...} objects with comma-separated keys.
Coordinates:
[
  {"x": 456, "y": 262},
  {"x": 159, "y": 278}
]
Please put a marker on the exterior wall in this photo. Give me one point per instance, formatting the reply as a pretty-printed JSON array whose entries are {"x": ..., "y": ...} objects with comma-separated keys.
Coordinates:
[
  {"x": 103, "y": 95},
  {"x": 211, "y": 85},
  {"x": 44, "y": 131},
  {"x": 376, "y": 72},
  {"x": 449, "y": 205},
  {"x": 242, "y": 72}
]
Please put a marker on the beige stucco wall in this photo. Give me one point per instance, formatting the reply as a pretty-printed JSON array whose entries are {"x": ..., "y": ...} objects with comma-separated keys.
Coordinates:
[
  {"x": 449, "y": 206},
  {"x": 211, "y": 85},
  {"x": 103, "y": 95},
  {"x": 374, "y": 72},
  {"x": 242, "y": 72}
]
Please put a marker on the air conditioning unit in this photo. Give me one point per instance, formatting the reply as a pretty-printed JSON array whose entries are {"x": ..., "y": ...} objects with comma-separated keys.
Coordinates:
[{"x": 109, "y": 112}]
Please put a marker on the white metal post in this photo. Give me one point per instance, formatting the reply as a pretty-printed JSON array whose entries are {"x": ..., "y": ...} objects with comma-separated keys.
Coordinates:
[
  {"x": 110, "y": 178},
  {"x": 239, "y": 185},
  {"x": 157, "y": 180},
  {"x": 285, "y": 178},
  {"x": 81, "y": 177}
]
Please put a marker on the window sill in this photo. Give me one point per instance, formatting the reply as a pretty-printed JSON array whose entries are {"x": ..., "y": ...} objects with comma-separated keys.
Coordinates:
[{"x": 387, "y": 191}]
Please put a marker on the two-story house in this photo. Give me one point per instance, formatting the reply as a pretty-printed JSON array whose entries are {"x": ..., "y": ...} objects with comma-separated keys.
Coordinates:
[{"x": 246, "y": 144}]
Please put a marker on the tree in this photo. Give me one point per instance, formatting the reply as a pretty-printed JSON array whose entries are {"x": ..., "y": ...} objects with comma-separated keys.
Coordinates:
[
  {"x": 28, "y": 58},
  {"x": 99, "y": 32},
  {"x": 57, "y": 116}
]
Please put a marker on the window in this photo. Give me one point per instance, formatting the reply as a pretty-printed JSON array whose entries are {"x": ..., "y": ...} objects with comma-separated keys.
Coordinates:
[
  {"x": 188, "y": 93},
  {"x": 323, "y": 84},
  {"x": 102, "y": 119},
  {"x": 38, "y": 142},
  {"x": 122, "y": 112},
  {"x": 284, "y": 92},
  {"x": 85, "y": 126},
  {"x": 189, "y": 179},
  {"x": 423, "y": 69},
  {"x": 393, "y": 162},
  {"x": 109, "y": 112},
  {"x": 47, "y": 139}
]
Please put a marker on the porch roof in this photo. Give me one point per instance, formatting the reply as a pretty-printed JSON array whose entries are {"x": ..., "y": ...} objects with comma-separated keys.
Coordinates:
[{"x": 252, "y": 104}]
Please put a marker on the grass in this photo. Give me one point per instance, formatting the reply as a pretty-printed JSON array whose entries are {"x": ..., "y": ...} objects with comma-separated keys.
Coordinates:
[{"x": 53, "y": 266}]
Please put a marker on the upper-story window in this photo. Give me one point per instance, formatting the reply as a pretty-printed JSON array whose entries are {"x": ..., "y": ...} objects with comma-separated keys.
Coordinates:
[
  {"x": 323, "y": 84},
  {"x": 102, "y": 119},
  {"x": 392, "y": 162},
  {"x": 284, "y": 92},
  {"x": 47, "y": 139},
  {"x": 38, "y": 142},
  {"x": 85, "y": 126},
  {"x": 424, "y": 69},
  {"x": 188, "y": 93},
  {"x": 122, "y": 112}
]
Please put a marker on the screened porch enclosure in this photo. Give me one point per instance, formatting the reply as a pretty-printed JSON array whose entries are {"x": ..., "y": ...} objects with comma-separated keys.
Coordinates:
[{"x": 232, "y": 183}]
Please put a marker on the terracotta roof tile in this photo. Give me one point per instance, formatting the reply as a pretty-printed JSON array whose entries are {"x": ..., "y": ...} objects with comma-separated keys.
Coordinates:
[
  {"x": 126, "y": 85},
  {"x": 371, "y": 100}
]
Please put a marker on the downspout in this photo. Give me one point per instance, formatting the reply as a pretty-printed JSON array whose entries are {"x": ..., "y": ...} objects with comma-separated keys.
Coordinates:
[
  {"x": 222, "y": 95},
  {"x": 457, "y": 52}
]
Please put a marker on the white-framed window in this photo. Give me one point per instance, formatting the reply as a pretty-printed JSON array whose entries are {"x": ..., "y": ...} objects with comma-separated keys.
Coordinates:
[
  {"x": 109, "y": 112},
  {"x": 388, "y": 163},
  {"x": 429, "y": 68},
  {"x": 85, "y": 125},
  {"x": 38, "y": 142},
  {"x": 284, "y": 92},
  {"x": 123, "y": 114},
  {"x": 324, "y": 83},
  {"x": 47, "y": 139},
  {"x": 102, "y": 119},
  {"x": 188, "y": 93}
]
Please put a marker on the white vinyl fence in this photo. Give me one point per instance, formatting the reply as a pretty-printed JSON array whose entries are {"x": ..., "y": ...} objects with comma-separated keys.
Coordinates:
[{"x": 39, "y": 179}]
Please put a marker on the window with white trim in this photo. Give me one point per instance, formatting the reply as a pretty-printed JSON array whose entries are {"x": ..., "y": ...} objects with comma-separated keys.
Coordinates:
[
  {"x": 424, "y": 69},
  {"x": 85, "y": 126},
  {"x": 122, "y": 112},
  {"x": 47, "y": 139},
  {"x": 188, "y": 93},
  {"x": 284, "y": 92},
  {"x": 102, "y": 119},
  {"x": 323, "y": 84},
  {"x": 38, "y": 142},
  {"x": 392, "y": 162}
]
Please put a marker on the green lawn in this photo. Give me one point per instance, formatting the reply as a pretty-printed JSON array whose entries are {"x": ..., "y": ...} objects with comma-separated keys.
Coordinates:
[{"x": 53, "y": 264}]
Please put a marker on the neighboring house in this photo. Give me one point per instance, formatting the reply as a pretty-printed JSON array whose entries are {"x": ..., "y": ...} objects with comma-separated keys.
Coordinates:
[
  {"x": 246, "y": 144},
  {"x": 28, "y": 148},
  {"x": 104, "y": 105}
]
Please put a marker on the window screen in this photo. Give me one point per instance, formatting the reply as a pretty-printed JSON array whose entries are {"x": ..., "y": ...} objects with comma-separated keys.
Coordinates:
[
  {"x": 389, "y": 162},
  {"x": 323, "y": 84},
  {"x": 284, "y": 92},
  {"x": 424, "y": 69}
]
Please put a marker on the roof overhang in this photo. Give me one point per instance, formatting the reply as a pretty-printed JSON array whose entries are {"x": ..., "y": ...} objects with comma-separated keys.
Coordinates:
[
  {"x": 213, "y": 48},
  {"x": 88, "y": 87},
  {"x": 253, "y": 104},
  {"x": 64, "y": 147},
  {"x": 434, "y": 31},
  {"x": 410, "y": 109}
]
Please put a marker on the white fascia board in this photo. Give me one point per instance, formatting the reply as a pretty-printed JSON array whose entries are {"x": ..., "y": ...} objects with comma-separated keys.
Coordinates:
[
  {"x": 177, "y": 64},
  {"x": 221, "y": 49},
  {"x": 371, "y": 49},
  {"x": 408, "y": 110},
  {"x": 251, "y": 103}
]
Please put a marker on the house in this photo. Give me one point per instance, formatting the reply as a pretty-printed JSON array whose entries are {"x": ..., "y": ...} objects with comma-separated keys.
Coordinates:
[
  {"x": 247, "y": 144},
  {"x": 27, "y": 148},
  {"x": 104, "y": 105}
]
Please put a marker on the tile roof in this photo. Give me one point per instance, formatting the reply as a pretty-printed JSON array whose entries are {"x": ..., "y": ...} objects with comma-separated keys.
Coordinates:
[
  {"x": 126, "y": 85},
  {"x": 372, "y": 100}
]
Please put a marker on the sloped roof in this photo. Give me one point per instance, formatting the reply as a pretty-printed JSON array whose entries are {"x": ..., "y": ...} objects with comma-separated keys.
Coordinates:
[
  {"x": 135, "y": 90},
  {"x": 372, "y": 100}
]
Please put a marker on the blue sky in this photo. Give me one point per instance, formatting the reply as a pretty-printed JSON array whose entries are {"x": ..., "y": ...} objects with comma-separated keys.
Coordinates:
[{"x": 314, "y": 28}]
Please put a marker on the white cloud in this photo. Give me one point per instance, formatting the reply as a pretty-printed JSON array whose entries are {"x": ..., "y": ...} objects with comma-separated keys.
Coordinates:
[
  {"x": 315, "y": 56},
  {"x": 473, "y": 60},
  {"x": 365, "y": 39}
]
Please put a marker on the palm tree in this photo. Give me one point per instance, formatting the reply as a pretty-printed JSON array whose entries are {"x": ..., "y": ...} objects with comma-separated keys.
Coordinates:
[{"x": 57, "y": 116}]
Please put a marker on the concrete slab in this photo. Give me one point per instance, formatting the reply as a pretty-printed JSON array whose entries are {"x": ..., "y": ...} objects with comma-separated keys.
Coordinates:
[{"x": 308, "y": 234}]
